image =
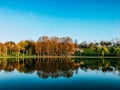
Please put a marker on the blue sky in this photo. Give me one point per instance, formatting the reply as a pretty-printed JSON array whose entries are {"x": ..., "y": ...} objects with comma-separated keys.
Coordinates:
[{"x": 87, "y": 20}]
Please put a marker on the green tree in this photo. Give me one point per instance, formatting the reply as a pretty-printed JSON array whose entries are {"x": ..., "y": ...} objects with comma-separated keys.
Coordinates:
[
  {"x": 23, "y": 46},
  {"x": 30, "y": 48},
  {"x": 117, "y": 50},
  {"x": 102, "y": 50}
]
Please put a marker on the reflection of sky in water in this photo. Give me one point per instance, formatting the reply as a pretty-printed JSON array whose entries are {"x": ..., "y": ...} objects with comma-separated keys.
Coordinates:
[
  {"x": 58, "y": 75},
  {"x": 15, "y": 74},
  {"x": 96, "y": 73},
  {"x": 82, "y": 80}
]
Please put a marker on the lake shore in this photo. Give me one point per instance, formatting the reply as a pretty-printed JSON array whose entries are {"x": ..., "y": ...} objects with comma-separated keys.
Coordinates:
[{"x": 58, "y": 57}]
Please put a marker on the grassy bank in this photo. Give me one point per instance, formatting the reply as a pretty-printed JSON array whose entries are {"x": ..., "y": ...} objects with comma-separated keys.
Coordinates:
[{"x": 58, "y": 57}]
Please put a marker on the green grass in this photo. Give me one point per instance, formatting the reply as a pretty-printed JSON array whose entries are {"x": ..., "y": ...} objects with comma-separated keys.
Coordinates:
[{"x": 89, "y": 51}]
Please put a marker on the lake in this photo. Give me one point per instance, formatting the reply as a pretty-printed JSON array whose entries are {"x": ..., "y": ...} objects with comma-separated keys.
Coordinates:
[{"x": 59, "y": 74}]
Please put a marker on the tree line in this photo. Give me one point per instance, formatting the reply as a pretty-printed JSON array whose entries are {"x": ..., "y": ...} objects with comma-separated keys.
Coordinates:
[
  {"x": 110, "y": 48},
  {"x": 43, "y": 46},
  {"x": 55, "y": 46}
]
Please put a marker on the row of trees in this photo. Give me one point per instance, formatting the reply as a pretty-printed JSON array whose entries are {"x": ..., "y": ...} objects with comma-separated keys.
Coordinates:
[
  {"x": 114, "y": 43},
  {"x": 100, "y": 48},
  {"x": 44, "y": 46},
  {"x": 58, "y": 47}
]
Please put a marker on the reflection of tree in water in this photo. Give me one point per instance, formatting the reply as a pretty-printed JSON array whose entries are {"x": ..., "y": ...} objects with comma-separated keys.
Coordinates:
[
  {"x": 43, "y": 66},
  {"x": 56, "y": 74},
  {"x": 7, "y": 65},
  {"x": 55, "y": 68},
  {"x": 109, "y": 65}
]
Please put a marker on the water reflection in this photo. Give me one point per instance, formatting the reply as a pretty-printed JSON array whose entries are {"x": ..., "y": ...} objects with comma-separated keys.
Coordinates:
[
  {"x": 45, "y": 67},
  {"x": 55, "y": 68},
  {"x": 106, "y": 65}
]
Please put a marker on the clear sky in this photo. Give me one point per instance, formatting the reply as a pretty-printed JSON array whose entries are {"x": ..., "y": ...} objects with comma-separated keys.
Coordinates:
[{"x": 79, "y": 19}]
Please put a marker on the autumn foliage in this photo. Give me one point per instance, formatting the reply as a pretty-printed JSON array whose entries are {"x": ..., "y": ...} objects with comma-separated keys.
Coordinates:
[{"x": 44, "y": 46}]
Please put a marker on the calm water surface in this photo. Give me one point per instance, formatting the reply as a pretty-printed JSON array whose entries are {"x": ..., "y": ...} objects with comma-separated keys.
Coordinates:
[{"x": 59, "y": 74}]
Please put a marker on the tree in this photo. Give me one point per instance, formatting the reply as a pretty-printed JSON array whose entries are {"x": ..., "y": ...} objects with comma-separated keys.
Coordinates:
[
  {"x": 116, "y": 50},
  {"x": 102, "y": 50},
  {"x": 10, "y": 47},
  {"x": 106, "y": 43},
  {"x": 97, "y": 50},
  {"x": 17, "y": 49},
  {"x": 54, "y": 43},
  {"x": 43, "y": 40},
  {"x": 3, "y": 49},
  {"x": 68, "y": 46},
  {"x": 38, "y": 48},
  {"x": 23, "y": 46},
  {"x": 30, "y": 48}
]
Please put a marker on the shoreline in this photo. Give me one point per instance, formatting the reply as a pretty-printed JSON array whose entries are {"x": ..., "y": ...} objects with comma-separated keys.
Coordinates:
[{"x": 59, "y": 57}]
